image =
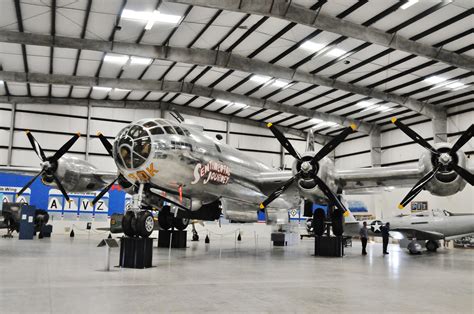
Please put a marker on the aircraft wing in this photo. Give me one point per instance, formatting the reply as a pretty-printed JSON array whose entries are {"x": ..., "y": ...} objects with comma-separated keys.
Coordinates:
[
  {"x": 371, "y": 180},
  {"x": 419, "y": 234}
]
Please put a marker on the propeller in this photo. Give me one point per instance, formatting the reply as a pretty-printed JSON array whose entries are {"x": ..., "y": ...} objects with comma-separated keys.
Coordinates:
[
  {"x": 443, "y": 160},
  {"x": 49, "y": 165},
  {"x": 109, "y": 148},
  {"x": 309, "y": 166}
]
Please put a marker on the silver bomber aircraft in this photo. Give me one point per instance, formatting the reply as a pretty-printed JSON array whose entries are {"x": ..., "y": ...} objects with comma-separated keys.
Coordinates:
[{"x": 163, "y": 162}]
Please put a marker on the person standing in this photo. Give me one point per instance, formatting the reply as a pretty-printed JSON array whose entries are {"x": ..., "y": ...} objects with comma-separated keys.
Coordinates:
[
  {"x": 385, "y": 235},
  {"x": 363, "y": 233}
]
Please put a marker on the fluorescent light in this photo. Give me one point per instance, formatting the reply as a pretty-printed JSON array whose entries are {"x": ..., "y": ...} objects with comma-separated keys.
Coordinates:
[
  {"x": 118, "y": 59},
  {"x": 240, "y": 105},
  {"x": 408, "y": 4},
  {"x": 434, "y": 79},
  {"x": 336, "y": 52},
  {"x": 102, "y": 89},
  {"x": 365, "y": 103},
  {"x": 383, "y": 108},
  {"x": 442, "y": 84},
  {"x": 222, "y": 101},
  {"x": 315, "y": 121},
  {"x": 281, "y": 84},
  {"x": 140, "y": 61},
  {"x": 311, "y": 46},
  {"x": 166, "y": 18},
  {"x": 260, "y": 79},
  {"x": 121, "y": 90},
  {"x": 150, "y": 17},
  {"x": 457, "y": 85},
  {"x": 370, "y": 108},
  {"x": 137, "y": 15}
]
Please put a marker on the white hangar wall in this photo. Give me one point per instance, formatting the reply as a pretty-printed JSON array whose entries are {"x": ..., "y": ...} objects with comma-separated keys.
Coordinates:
[{"x": 53, "y": 125}]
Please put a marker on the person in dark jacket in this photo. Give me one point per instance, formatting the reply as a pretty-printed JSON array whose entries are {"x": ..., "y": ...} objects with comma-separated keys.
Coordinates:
[
  {"x": 385, "y": 235},
  {"x": 363, "y": 233}
]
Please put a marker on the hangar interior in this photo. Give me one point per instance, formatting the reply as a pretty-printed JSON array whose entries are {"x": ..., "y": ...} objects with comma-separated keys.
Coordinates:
[{"x": 309, "y": 67}]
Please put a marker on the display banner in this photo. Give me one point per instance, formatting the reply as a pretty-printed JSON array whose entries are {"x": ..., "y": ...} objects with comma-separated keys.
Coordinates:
[{"x": 51, "y": 199}]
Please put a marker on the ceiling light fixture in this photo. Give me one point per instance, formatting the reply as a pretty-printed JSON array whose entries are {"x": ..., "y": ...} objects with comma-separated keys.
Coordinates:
[
  {"x": 408, "y": 4},
  {"x": 260, "y": 79},
  {"x": 140, "y": 61},
  {"x": 336, "y": 52},
  {"x": 434, "y": 79},
  {"x": 283, "y": 84},
  {"x": 117, "y": 59},
  {"x": 150, "y": 17},
  {"x": 102, "y": 89},
  {"x": 311, "y": 46}
]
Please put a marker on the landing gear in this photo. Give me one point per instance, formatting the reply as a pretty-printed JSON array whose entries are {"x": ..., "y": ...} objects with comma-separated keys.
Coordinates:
[
  {"x": 144, "y": 224},
  {"x": 318, "y": 221},
  {"x": 337, "y": 220},
  {"x": 166, "y": 220},
  {"x": 128, "y": 224},
  {"x": 431, "y": 245}
]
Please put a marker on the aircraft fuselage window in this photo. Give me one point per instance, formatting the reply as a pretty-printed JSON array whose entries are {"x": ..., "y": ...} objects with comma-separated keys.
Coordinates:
[
  {"x": 186, "y": 131},
  {"x": 181, "y": 145},
  {"x": 169, "y": 129}
]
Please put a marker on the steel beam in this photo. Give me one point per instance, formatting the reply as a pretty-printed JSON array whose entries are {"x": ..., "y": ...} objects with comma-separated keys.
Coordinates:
[
  {"x": 376, "y": 148},
  {"x": 179, "y": 87},
  {"x": 214, "y": 58},
  {"x": 440, "y": 127},
  {"x": 12, "y": 133},
  {"x": 284, "y": 9},
  {"x": 163, "y": 106}
]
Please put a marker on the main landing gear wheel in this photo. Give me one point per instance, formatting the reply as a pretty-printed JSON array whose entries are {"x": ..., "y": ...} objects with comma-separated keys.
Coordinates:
[
  {"x": 180, "y": 223},
  {"x": 128, "y": 224},
  {"x": 144, "y": 224},
  {"x": 165, "y": 220},
  {"x": 431, "y": 246},
  {"x": 318, "y": 221}
]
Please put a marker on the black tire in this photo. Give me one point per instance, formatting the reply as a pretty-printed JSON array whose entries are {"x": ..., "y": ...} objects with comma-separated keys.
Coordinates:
[
  {"x": 318, "y": 221},
  {"x": 144, "y": 224},
  {"x": 337, "y": 219},
  {"x": 180, "y": 223},
  {"x": 431, "y": 246},
  {"x": 128, "y": 224},
  {"x": 165, "y": 220}
]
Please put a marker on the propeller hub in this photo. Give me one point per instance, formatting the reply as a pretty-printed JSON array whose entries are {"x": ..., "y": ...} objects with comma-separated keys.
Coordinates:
[
  {"x": 445, "y": 159},
  {"x": 45, "y": 165},
  {"x": 306, "y": 166}
]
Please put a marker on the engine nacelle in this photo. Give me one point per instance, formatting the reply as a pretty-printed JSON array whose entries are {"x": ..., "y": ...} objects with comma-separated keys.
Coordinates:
[
  {"x": 76, "y": 175},
  {"x": 446, "y": 181},
  {"x": 307, "y": 186}
]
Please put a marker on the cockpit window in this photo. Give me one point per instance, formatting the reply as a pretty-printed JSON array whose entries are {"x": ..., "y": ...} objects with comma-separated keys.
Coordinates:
[
  {"x": 156, "y": 131},
  {"x": 186, "y": 131},
  {"x": 169, "y": 129},
  {"x": 133, "y": 147},
  {"x": 149, "y": 124},
  {"x": 179, "y": 130}
]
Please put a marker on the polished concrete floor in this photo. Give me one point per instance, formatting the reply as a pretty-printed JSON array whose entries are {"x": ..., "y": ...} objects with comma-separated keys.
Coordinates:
[{"x": 63, "y": 275}]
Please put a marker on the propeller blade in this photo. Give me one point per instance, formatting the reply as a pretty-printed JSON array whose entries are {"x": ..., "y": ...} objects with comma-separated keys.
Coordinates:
[
  {"x": 36, "y": 146},
  {"x": 102, "y": 193},
  {"x": 338, "y": 139},
  {"x": 465, "y": 137},
  {"x": 29, "y": 183},
  {"x": 329, "y": 194},
  {"x": 418, "y": 187},
  {"x": 65, "y": 148},
  {"x": 60, "y": 187},
  {"x": 278, "y": 192},
  {"x": 283, "y": 141},
  {"x": 466, "y": 175},
  {"x": 414, "y": 136},
  {"x": 106, "y": 143}
]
